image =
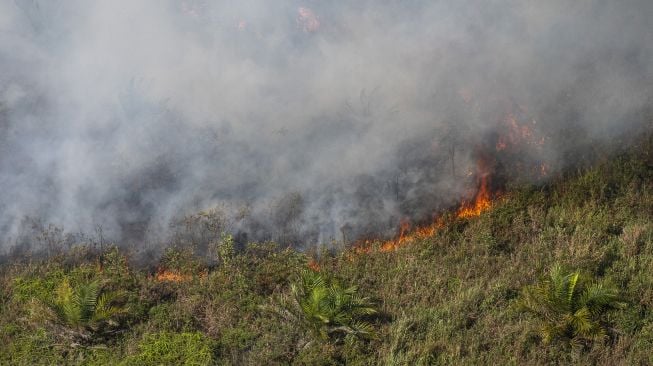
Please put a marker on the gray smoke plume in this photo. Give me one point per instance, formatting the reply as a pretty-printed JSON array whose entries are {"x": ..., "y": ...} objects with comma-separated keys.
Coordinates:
[{"x": 304, "y": 121}]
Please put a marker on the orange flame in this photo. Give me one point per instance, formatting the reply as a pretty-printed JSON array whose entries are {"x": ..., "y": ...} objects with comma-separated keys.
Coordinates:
[
  {"x": 517, "y": 131},
  {"x": 406, "y": 236},
  {"x": 165, "y": 275},
  {"x": 404, "y": 228},
  {"x": 363, "y": 247},
  {"x": 313, "y": 265},
  {"x": 172, "y": 276},
  {"x": 482, "y": 202}
]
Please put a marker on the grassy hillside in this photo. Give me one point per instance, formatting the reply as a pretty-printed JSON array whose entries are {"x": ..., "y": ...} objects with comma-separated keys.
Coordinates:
[{"x": 450, "y": 299}]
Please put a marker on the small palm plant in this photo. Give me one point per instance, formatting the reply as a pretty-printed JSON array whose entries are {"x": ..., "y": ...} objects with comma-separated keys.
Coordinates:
[
  {"x": 84, "y": 311},
  {"x": 569, "y": 307},
  {"x": 327, "y": 310}
]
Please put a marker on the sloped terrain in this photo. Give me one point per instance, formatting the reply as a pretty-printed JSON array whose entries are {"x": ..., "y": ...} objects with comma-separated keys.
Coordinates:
[{"x": 450, "y": 298}]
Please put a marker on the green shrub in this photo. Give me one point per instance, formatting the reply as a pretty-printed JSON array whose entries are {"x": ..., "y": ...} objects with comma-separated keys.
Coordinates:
[
  {"x": 171, "y": 317},
  {"x": 181, "y": 259},
  {"x": 569, "y": 307},
  {"x": 30, "y": 349},
  {"x": 84, "y": 310},
  {"x": 328, "y": 311},
  {"x": 25, "y": 288}
]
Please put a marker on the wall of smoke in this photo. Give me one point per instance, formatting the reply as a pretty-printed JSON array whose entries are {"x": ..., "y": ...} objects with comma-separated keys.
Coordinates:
[{"x": 301, "y": 121}]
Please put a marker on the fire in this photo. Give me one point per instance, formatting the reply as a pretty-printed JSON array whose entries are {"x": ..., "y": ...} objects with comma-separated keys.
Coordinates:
[
  {"x": 313, "y": 265},
  {"x": 406, "y": 235},
  {"x": 171, "y": 276},
  {"x": 516, "y": 132},
  {"x": 409, "y": 234},
  {"x": 363, "y": 247},
  {"x": 166, "y": 275},
  {"x": 483, "y": 198},
  {"x": 482, "y": 202}
]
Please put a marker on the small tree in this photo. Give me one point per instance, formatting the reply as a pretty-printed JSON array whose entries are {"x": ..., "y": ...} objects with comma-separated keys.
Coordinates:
[
  {"x": 569, "y": 307},
  {"x": 328, "y": 311}
]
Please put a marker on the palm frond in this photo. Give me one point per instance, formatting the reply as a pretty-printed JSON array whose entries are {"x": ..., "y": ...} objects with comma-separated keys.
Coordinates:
[
  {"x": 83, "y": 308},
  {"x": 567, "y": 307},
  {"x": 327, "y": 309},
  {"x": 85, "y": 300},
  {"x": 598, "y": 298},
  {"x": 571, "y": 283}
]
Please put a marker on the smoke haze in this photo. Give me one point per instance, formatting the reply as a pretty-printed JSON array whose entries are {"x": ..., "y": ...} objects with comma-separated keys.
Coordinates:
[{"x": 302, "y": 120}]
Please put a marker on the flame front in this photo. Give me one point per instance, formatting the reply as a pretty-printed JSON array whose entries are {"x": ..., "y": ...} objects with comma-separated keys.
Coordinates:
[
  {"x": 516, "y": 132},
  {"x": 407, "y": 236},
  {"x": 482, "y": 202}
]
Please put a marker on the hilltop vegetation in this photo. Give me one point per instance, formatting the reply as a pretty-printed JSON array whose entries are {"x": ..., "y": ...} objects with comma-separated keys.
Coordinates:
[{"x": 458, "y": 297}]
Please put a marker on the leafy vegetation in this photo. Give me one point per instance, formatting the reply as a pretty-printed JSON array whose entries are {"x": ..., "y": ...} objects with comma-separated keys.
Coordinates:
[
  {"x": 84, "y": 309},
  {"x": 327, "y": 310},
  {"x": 473, "y": 293},
  {"x": 568, "y": 307}
]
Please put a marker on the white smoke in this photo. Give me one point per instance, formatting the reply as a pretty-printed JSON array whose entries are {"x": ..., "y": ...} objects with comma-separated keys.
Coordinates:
[{"x": 315, "y": 115}]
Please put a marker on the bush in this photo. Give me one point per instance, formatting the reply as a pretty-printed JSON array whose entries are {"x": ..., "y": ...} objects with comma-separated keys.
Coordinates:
[
  {"x": 85, "y": 311},
  {"x": 328, "y": 311},
  {"x": 569, "y": 307}
]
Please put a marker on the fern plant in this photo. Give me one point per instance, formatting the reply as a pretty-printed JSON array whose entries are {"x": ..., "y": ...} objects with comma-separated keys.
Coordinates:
[
  {"x": 84, "y": 310},
  {"x": 569, "y": 307},
  {"x": 327, "y": 310}
]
